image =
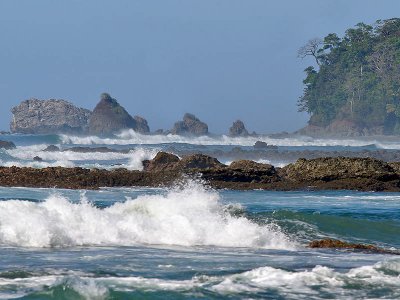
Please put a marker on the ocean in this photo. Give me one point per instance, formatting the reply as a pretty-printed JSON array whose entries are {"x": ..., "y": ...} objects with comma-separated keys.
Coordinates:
[{"x": 190, "y": 241}]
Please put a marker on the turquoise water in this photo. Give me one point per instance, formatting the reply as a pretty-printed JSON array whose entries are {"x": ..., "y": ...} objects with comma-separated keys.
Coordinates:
[
  {"x": 195, "y": 243},
  {"x": 189, "y": 241}
]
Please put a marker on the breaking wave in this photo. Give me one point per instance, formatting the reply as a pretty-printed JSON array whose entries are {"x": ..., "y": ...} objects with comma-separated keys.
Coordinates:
[
  {"x": 187, "y": 216},
  {"x": 129, "y": 137},
  {"x": 381, "y": 280},
  {"x": 23, "y": 156}
]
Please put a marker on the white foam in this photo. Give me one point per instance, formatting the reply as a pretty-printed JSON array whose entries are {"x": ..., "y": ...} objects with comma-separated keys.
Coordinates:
[
  {"x": 131, "y": 137},
  {"x": 137, "y": 156},
  {"x": 24, "y": 154},
  {"x": 357, "y": 283},
  {"x": 305, "y": 283},
  {"x": 187, "y": 217}
]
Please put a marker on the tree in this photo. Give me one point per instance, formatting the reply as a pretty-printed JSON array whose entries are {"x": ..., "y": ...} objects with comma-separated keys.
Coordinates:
[{"x": 311, "y": 48}]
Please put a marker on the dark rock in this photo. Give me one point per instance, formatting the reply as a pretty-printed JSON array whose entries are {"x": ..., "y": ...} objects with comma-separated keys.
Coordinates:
[
  {"x": 159, "y": 131},
  {"x": 7, "y": 145},
  {"x": 51, "y": 148},
  {"x": 141, "y": 124},
  {"x": 109, "y": 117},
  {"x": 199, "y": 161},
  {"x": 161, "y": 161},
  {"x": 238, "y": 129},
  {"x": 337, "y": 244},
  {"x": 48, "y": 116},
  {"x": 260, "y": 145},
  {"x": 334, "y": 168},
  {"x": 190, "y": 126},
  {"x": 37, "y": 158},
  {"x": 252, "y": 166}
]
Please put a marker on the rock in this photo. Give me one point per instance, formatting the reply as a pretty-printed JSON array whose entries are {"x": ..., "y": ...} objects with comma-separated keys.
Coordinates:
[
  {"x": 161, "y": 161},
  {"x": 238, "y": 129},
  {"x": 337, "y": 244},
  {"x": 159, "y": 131},
  {"x": 51, "y": 148},
  {"x": 141, "y": 124},
  {"x": 252, "y": 166},
  {"x": 110, "y": 117},
  {"x": 7, "y": 145},
  {"x": 190, "y": 126},
  {"x": 264, "y": 145},
  {"x": 320, "y": 174},
  {"x": 37, "y": 158},
  {"x": 48, "y": 116},
  {"x": 335, "y": 168},
  {"x": 199, "y": 161}
]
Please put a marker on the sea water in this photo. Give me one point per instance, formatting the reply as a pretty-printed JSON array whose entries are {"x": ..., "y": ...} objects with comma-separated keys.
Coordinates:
[{"x": 188, "y": 241}]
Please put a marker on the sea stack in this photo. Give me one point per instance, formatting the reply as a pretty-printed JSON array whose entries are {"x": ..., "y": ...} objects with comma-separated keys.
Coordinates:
[
  {"x": 190, "y": 126},
  {"x": 36, "y": 116},
  {"x": 238, "y": 129},
  {"x": 110, "y": 117}
]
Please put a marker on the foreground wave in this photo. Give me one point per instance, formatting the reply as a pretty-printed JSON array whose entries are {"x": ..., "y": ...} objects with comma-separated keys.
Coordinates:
[
  {"x": 187, "y": 217},
  {"x": 376, "y": 281}
]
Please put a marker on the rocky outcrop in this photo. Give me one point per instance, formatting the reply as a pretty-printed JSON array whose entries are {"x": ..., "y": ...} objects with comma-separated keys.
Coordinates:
[
  {"x": 238, "y": 129},
  {"x": 141, "y": 124},
  {"x": 190, "y": 126},
  {"x": 160, "y": 162},
  {"x": 7, "y": 145},
  {"x": 364, "y": 174},
  {"x": 48, "y": 116},
  {"x": 110, "y": 117},
  {"x": 340, "y": 128}
]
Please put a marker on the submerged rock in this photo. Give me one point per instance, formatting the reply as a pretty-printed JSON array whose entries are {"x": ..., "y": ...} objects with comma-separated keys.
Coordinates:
[
  {"x": 48, "y": 116},
  {"x": 7, "y": 145},
  {"x": 190, "y": 126},
  {"x": 238, "y": 129},
  {"x": 51, "y": 148},
  {"x": 110, "y": 117}
]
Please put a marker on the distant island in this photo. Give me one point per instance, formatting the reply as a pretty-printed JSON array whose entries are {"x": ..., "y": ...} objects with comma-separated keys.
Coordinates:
[
  {"x": 55, "y": 116},
  {"x": 355, "y": 88}
]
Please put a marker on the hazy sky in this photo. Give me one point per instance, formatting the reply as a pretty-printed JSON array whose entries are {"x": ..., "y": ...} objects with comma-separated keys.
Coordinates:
[{"x": 219, "y": 59}]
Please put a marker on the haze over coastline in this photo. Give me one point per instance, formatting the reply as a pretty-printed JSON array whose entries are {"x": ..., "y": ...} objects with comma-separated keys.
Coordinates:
[{"x": 221, "y": 60}]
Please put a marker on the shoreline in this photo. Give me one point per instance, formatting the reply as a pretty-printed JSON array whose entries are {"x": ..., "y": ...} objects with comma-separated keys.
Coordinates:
[{"x": 328, "y": 173}]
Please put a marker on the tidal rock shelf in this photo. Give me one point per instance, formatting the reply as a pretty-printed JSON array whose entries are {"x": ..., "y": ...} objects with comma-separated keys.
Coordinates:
[{"x": 330, "y": 173}]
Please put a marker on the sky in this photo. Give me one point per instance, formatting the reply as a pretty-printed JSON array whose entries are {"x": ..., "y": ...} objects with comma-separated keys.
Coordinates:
[{"x": 221, "y": 60}]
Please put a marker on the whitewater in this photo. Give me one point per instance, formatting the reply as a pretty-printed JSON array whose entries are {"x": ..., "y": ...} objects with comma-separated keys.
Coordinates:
[{"x": 189, "y": 241}]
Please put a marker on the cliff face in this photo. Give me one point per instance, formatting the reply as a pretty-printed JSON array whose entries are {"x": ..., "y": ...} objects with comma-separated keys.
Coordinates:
[
  {"x": 110, "y": 117},
  {"x": 48, "y": 116}
]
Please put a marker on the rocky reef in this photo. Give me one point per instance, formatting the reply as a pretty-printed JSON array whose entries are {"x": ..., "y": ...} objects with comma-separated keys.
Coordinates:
[
  {"x": 36, "y": 116},
  {"x": 190, "y": 125},
  {"x": 365, "y": 174}
]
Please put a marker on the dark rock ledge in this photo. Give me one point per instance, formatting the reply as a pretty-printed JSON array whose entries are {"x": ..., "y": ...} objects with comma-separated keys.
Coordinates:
[{"x": 364, "y": 174}]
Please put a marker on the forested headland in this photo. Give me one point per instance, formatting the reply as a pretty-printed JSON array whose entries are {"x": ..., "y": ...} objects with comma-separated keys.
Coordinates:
[{"x": 353, "y": 87}]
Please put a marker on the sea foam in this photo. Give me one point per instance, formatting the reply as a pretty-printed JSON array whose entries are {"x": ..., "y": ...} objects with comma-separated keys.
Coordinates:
[
  {"x": 130, "y": 137},
  {"x": 186, "y": 216}
]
